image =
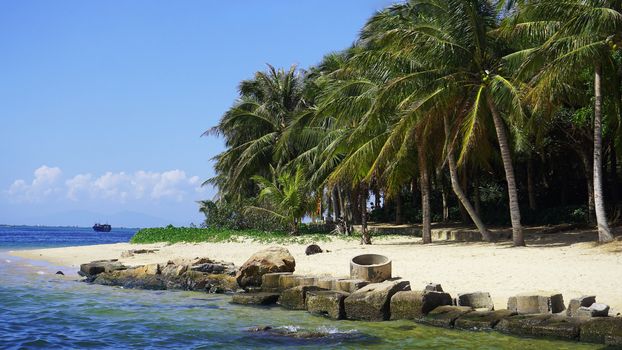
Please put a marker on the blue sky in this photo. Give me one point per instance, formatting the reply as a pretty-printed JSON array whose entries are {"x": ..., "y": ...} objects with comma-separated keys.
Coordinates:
[{"x": 102, "y": 103}]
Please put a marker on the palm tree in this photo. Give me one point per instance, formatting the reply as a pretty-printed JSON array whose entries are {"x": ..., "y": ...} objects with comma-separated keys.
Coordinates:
[
  {"x": 584, "y": 33},
  {"x": 285, "y": 197},
  {"x": 254, "y": 127},
  {"x": 460, "y": 73}
]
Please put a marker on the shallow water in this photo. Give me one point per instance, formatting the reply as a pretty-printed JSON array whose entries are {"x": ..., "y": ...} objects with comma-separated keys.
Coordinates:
[{"x": 39, "y": 309}]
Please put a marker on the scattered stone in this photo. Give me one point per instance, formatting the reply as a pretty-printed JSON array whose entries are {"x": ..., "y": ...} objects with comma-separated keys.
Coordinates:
[
  {"x": 328, "y": 303},
  {"x": 295, "y": 298},
  {"x": 326, "y": 283},
  {"x": 482, "y": 320},
  {"x": 313, "y": 249},
  {"x": 350, "y": 285},
  {"x": 273, "y": 259},
  {"x": 60, "y": 273},
  {"x": 132, "y": 252},
  {"x": 603, "y": 330},
  {"x": 287, "y": 281},
  {"x": 476, "y": 300},
  {"x": 594, "y": 310},
  {"x": 537, "y": 303},
  {"x": 261, "y": 298},
  {"x": 576, "y": 303},
  {"x": 542, "y": 325},
  {"x": 445, "y": 316},
  {"x": 372, "y": 302},
  {"x": 414, "y": 305},
  {"x": 433, "y": 287},
  {"x": 270, "y": 281}
]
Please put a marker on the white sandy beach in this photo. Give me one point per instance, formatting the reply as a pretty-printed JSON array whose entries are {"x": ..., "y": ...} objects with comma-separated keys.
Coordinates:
[{"x": 553, "y": 263}]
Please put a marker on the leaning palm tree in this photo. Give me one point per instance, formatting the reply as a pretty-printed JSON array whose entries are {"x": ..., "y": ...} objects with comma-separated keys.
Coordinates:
[
  {"x": 577, "y": 34},
  {"x": 460, "y": 74}
]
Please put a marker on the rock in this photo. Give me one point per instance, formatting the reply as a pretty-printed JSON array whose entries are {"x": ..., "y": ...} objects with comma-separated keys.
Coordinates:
[
  {"x": 209, "y": 268},
  {"x": 482, "y": 320},
  {"x": 96, "y": 267},
  {"x": 273, "y": 259},
  {"x": 537, "y": 303},
  {"x": 433, "y": 287},
  {"x": 60, "y": 273},
  {"x": 603, "y": 330},
  {"x": 328, "y": 303},
  {"x": 149, "y": 269},
  {"x": 542, "y": 325},
  {"x": 576, "y": 303},
  {"x": 372, "y": 302},
  {"x": 261, "y": 298},
  {"x": 132, "y": 252},
  {"x": 287, "y": 281},
  {"x": 129, "y": 280},
  {"x": 172, "y": 269},
  {"x": 476, "y": 300},
  {"x": 373, "y": 268},
  {"x": 326, "y": 283},
  {"x": 270, "y": 281},
  {"x": 595, "y": 310},
  {"x": 414, "y": 305},
  {"x": 350, "y": 285},
  {"x": 305, "y": 281},
  {"x": 445, "y": 316},
  {"x": 295, "y": 298},
  {"x": 313, "y": 249}
]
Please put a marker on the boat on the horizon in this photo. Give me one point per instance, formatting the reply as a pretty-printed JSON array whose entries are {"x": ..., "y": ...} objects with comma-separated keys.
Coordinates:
[{"x": 102, "y": 227}]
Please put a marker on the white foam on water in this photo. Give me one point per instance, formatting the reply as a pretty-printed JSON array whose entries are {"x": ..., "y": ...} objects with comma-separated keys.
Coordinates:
[
  {"x": 40, "y": 273},
  {"x": 7, "y": 261},
  {"x": 290, "y": 328}
]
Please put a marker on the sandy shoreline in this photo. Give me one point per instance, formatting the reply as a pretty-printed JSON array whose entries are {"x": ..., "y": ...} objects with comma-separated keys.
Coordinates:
[{"x": 555, "y": 262}]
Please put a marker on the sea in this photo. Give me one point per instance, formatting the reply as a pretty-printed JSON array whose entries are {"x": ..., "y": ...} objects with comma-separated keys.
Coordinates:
[{"x": 42, "y": 310}]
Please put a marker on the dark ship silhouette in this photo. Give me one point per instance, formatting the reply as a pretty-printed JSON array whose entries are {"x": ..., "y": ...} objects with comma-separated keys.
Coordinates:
[{"x": 102, "y": 228}]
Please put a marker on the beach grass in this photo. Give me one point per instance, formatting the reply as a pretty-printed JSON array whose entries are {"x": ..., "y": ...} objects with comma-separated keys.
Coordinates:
[{"x": 172, "y": 234}]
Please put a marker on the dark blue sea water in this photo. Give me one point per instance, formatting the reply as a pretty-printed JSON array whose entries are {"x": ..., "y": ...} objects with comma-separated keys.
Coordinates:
[{"x": 41, "y": 310}]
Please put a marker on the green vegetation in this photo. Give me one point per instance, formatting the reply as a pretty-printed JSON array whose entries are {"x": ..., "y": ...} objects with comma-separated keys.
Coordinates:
[
  {"x": 171, "y": 234},
  {"x": 487, "y": 112}
]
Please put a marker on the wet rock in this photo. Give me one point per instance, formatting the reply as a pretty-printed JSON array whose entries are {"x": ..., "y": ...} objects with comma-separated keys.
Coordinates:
[
  {"x": 433, "y": 287},
  {"x": 603, "y": 330},
  {"x": 576, "y": 303},
  {"x": 273, "y": 259},
  {"x": 313, "y": 249},
  {"x": 537, "y": 303},
  {"x": 60, "y": 273},
  {"x": 261, "y": 298},
  {"x": 270, "y": 281},
  {"x": 327, "y": 303},
  {"x": 96, "y": 267},
  {"x": 445, "y": 316},
  {"x": 295, "y": 298},
  {"x": 594, "y": 310},
  {"x": 482, "y": 320},
  {"x": 126, "y": 280},
  {"x": 414, "y": 305},
  {"x": 372, "y": 302},
  {"x": 209, "y": 268},
  {"x": 350, "y": 285},
  {"x": 542, "y": 325},
  {"x": 476, "y": 300}
]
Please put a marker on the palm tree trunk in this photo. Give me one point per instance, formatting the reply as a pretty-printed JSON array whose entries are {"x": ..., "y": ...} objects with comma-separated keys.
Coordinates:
[
  {"x": 398, "y": 208},
  {"x": 587, "y": 167},
  {"x": 336, "y": 204},
  {"x": 425, "y": 198},
  {"x": 517, "y": 229},
  {"x": 365, "y": 238},
  {"x": 455, "y": 185},
  {"x": 604, "y": 234},
  {"x": 531, "y": 188}
]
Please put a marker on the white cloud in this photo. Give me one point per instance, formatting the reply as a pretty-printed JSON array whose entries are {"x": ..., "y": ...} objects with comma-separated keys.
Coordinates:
[
  {"x": 120, "y": 187},
  {"x": 43, "y": 185}
]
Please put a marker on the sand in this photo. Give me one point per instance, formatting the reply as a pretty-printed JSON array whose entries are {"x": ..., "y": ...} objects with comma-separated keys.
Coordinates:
[{"x": 569, "y": 263}]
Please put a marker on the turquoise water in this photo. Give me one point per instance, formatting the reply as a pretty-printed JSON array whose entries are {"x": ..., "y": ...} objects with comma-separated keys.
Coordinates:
[{"x": 39, "y": 309}]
